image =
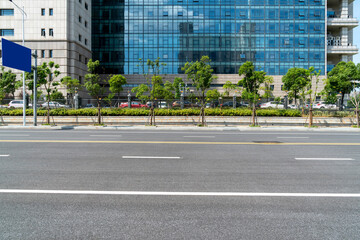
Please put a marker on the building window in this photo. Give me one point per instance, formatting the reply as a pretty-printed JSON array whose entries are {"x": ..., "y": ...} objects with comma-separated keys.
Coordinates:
[
  {"x": 80, "y": 38},
  {"x": 80, "y": 58},
  {"x": 86, "y": 41},
  {"x": 51, "y": 32},
  {"x": 86, "y": 24},
  {"x": 180, "y": 14},
  {"x": 42, "y": 53},
  {"x": 50, "y": 53},
  {"x": 165, "y": 13},
  {"x": 80, "y": 19},
  {"x": 86, "y": 6},
  {"x": 86, "y": 60},
  {"x": 51, "y": 11},
  {"x": 80, "y": 79},
  {"x": 80, "y": 1},
  {"x": 43, "y": 12},
  {"x": 6, "y": 12},
  {"x": 6, "y": 32},
  {"x": 43, "y": 33}
]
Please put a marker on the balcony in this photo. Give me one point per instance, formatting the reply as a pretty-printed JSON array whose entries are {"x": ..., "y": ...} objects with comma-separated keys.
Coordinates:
[
  {"x": 342, "y": 22},
  {"x": 345, "y": 50},
  {"x": 335, "y": 20}
]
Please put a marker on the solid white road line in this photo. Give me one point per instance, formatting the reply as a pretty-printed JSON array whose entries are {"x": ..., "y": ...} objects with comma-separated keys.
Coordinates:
[
  {"x": 201, "y": 194},
  {"x": 105, "y": 135},
  {"x": 324, "y": 159},
  {"x": 292, "y": 137},
  {"x": 5, "y": 155},
  {"x": 150, "y": 157},
  {"x": 199, "y": 136}
]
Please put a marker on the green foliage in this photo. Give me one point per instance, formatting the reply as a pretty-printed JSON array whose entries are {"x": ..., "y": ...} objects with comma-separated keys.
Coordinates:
[
  {"x": 93, "y": 83},
  {"x": 71, "y": 84},
  {"x": 340, "y": 80},
  {"x": 295, "y": 81},
  {"x": 213, "y": 94},
  {"x": 116, "y": 83},
  {"x": 140, "y": 92},
  {"x": 251, "y": 81},
  {"x": 228, "y": 87},
  {"x": 8, "y": 83},
  {"x": 178, "y": 84},
  {"x": 57, "y": 96}
]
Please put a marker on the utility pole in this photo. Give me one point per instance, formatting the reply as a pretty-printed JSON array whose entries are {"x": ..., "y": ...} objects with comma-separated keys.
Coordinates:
[{"x": 23, "y": 43}]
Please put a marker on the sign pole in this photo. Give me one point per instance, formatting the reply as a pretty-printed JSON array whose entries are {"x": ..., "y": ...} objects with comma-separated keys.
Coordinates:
[{"x": 35, "y": 90}]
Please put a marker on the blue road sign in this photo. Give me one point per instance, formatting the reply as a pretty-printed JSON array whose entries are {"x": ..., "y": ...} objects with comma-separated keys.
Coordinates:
[{"x": 16, "y": 56}]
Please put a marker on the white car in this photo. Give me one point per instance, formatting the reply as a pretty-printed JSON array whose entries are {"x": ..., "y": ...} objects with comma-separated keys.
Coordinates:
[
  {"x": 54, "y": 105},
  {"x": 323, "y": 105},
  {"x": 272, "y": 105},
  {"x": 16, "y": 104}
]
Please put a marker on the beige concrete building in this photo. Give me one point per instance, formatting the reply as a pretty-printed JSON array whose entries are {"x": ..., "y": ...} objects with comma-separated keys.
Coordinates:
[{"x": 60, "y": 31}]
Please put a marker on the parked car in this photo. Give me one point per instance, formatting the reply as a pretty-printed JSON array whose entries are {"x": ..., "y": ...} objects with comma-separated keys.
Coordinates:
[
  {"x": 272, "y": 105},
  {"x": 323, "y": 105},
  {"x": 89, "y": 105},
  {"x": 231, "y": 104},
  {"x": 54, "y": 105},
  {"x": 186, "y": 104},
  {"x": 133, "y": 105},
  {"x": 16, "y": 104}
]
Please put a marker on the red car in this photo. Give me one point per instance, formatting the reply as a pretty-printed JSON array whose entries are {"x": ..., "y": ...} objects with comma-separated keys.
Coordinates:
[{"x": 133, "y": 105}]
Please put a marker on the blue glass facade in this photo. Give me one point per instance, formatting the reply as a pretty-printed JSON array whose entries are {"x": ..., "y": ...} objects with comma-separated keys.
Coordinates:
[{"x": 275, "y": 34}]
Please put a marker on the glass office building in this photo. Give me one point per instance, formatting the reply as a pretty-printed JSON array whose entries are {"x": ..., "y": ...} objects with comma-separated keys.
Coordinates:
[{"x": 275, "y": 34}]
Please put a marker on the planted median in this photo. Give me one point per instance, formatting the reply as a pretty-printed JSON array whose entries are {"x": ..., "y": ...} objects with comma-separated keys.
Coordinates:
[{"x": 158, "y": 112}]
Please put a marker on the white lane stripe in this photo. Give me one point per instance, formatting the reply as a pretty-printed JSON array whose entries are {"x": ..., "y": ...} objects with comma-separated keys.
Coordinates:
[
  {"x": 105, "y": 135},
  {"x": 324, "y": 159},
  {"x": 13, "y": 135},
  {"x": 199, "y": 136},
  {"x": 151, "y": 157},
  {"x": 151, "y": 193},
  {"x": 292, "y": 137},
  {"x": 5, "y": 155}
]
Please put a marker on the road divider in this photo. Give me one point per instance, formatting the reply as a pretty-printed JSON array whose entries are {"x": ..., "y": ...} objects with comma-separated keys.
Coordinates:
[{"x": 149, "y": 157}]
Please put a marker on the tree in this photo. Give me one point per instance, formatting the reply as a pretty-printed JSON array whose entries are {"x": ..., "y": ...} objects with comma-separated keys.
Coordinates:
[
  {"x": 228, "y": 87},
  {"x": 116, "y": 83},
  {"x": 71, "y": 85},
  {"x": 57, "y": 96},
  {"x": 267, "y": 88},
  {"x": 168, "y": 92},
  {"x": 312, "y": 92},
  {"x": 178, "y": 84},
  {"x": 151, "y": 69},
  {"x": 340, "y": 80},
  {"x": 200, "y": 72},
  {"x": 251, "y": 82},
  {"x": 94, "y": 84},
  {"x": 295, "y": 81},
  {"x": 8, "y": 83},
  {"x": 48, "y": 72},
  {"x": 41, "y": 79},
  {"x": 213, "y": 94}
]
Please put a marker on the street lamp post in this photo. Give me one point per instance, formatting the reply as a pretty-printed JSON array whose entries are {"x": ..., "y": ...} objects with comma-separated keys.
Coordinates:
[{"x": 23, "y": 43}]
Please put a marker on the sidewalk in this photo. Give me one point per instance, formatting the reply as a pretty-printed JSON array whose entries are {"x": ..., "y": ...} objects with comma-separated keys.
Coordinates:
[{"x": 183, "y": 128}]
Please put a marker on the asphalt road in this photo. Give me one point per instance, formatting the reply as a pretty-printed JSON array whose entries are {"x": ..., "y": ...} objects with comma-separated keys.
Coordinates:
[{"x": 162, "y": 184}]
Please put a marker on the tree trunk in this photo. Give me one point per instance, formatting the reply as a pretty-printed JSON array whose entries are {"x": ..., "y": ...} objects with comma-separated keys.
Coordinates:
[
  {"x": 99, "y": 112},
  {"x": 357, "y": 115},
  {"x": 310, "y": 116},
  {"x": 253, "y": 114},
  {"x": 48, "y": 110},
  {"x": 342, "y": 101}
]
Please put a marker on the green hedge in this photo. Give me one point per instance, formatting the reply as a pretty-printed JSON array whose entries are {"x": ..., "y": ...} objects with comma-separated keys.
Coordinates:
[{"x": 159, "y": 112}]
